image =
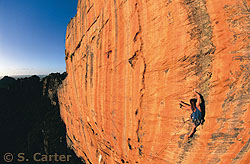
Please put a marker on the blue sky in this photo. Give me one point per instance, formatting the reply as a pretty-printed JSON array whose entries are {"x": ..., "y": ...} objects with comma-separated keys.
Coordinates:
[{"x": 32, "y": 35}]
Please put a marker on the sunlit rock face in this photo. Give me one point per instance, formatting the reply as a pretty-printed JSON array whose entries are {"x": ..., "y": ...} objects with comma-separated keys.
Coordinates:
[{"x": 130, "y": 62}]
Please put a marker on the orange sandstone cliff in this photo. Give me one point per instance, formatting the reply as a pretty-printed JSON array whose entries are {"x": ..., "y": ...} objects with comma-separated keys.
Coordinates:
[{"x": 130, "y": 62}]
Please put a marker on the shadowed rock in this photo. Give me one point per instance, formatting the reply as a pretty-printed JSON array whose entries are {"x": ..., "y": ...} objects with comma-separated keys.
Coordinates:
[{"x": 30, "y": 119}]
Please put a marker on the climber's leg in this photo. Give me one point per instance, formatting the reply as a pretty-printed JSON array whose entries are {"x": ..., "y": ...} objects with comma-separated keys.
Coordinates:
[{"x": 192, "y": 132}]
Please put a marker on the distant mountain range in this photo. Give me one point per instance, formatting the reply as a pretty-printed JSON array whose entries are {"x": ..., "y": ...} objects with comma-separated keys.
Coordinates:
[{"x": 23, "y": 76}]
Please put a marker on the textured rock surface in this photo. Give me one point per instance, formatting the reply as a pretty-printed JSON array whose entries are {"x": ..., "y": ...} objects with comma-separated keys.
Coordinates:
[{"x": 130, "y": 62}]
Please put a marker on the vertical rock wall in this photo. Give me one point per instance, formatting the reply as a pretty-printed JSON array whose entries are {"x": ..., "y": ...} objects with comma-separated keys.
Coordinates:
[{"x": 130, "y": 62}]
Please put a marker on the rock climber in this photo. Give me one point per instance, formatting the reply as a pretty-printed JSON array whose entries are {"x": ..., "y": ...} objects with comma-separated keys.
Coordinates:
[{"x": 196, "y": 115}]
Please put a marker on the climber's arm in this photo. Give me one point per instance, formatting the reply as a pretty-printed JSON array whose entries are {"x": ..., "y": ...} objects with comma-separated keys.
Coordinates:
[
  {"x": 198, "y": 97},
  {"x": 186, "y": 106}
]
